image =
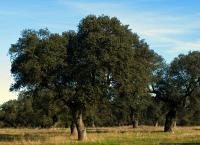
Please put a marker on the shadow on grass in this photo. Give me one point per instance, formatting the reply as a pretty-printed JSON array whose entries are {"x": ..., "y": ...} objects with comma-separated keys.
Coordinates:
[
  {"x": 98, "y": 130},
  {"x": 196, "y": 129},
  {"x": 106, "y": 131},
  {"x": 9, "y": 137}
]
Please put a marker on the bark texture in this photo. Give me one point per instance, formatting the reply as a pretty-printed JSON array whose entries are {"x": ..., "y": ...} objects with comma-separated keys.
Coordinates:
[
  {"x": 170, "y": 119},
  {"x": 78, "y": 119}
]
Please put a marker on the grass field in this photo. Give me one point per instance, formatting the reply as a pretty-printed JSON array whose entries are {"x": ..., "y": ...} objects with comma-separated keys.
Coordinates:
[{"x": 101, "y": 136}]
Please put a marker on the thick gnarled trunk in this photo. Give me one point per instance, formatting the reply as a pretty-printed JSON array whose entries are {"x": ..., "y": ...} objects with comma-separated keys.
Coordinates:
[
  {"x": 170, "y": 120},
  {"x": 78, "y": 120}
]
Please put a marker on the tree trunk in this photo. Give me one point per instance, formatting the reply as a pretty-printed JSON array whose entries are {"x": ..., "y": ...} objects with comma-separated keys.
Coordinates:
[
  {"x": 134, "y": 121},
  {"x": 156, "y": 123},
  {"x": 93, "y": 124},
  {"x": 174, "y": 123},
  {"x": 170, "y": 119},
  {"x": 72, "y": 129},
  {"x": 78, "y": 118}
]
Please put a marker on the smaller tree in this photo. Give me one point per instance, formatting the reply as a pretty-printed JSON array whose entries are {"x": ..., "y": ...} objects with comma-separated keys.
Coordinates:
[
  {"x": 178, "y": 87},
  {"x": 9, "y": 113}
]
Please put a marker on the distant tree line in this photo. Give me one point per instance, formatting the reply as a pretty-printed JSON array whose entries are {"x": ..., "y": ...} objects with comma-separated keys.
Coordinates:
[
  {"x": 44, "y": 114},
  {"x": 101, "y": 75}
]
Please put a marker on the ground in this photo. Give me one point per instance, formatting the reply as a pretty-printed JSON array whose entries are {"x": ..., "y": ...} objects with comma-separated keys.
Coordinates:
[{"x": 101, "y": 136}]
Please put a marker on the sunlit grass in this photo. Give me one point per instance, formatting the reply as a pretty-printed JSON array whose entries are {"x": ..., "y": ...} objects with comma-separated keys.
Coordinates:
[{"x": 100, "y": 136}]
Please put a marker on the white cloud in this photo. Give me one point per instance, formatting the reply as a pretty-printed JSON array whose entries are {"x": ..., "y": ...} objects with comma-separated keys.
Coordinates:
[
  {"x": 170, "y": 35},
  {"x": 185, "y": 46}
]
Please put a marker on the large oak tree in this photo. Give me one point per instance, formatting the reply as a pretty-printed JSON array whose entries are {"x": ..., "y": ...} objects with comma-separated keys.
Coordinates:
[{"x": 103, "y": 60}]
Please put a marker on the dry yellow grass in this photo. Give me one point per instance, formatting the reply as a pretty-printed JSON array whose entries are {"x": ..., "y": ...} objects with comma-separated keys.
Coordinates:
[{"x": 100, "y": 136}]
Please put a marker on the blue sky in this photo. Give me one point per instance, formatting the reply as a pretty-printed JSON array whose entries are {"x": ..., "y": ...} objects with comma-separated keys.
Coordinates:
[{"x": 170, "y": 27}]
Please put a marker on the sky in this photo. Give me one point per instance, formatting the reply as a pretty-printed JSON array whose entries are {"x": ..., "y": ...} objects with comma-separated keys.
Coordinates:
[{"x": 170, "y": 27}]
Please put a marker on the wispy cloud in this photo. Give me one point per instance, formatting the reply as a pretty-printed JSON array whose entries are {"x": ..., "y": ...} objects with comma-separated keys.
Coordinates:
[
  {"x": 185, "y": 46},
  {"x": 163, "y": 30},
  {"x": 173, "y": 35}
]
